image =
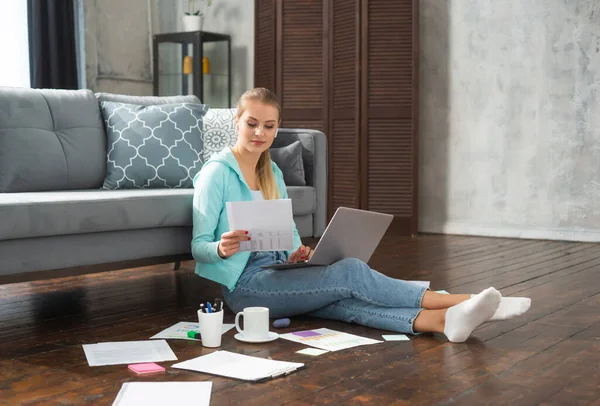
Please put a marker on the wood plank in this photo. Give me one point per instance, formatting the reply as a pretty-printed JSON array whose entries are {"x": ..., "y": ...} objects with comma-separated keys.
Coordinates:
[
  {"x": 581, "y": 391},
  {"x": 548, "y": 356}
]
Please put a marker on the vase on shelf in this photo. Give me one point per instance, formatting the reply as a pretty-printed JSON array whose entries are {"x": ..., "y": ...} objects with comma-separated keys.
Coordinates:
[{"x": 192, "y": 22}]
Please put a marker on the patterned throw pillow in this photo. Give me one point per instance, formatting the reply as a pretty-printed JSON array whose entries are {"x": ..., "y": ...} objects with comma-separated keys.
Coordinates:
[
  {"x": 156, "y": 146},
  {"x": 218, "y": 131}
]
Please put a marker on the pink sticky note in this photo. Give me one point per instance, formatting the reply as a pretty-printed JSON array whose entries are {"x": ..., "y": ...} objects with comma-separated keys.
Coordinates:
[
  {"x": 146, "y": 368},
  {"x": 307, "y": 333}
]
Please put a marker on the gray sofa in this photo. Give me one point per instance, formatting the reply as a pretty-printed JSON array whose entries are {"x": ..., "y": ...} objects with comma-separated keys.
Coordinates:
[{"x": 54, "y": 214}]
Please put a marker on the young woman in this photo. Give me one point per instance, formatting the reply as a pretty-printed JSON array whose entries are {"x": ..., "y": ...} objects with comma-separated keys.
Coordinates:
[{"x": 347, "y": 290}]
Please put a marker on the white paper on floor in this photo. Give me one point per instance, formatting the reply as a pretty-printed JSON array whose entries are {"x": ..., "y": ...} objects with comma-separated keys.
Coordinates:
[
  {"x": 179, "y": 331},
  {"x": 128, "y": 352},
  {"x": 395, "y": 337}
]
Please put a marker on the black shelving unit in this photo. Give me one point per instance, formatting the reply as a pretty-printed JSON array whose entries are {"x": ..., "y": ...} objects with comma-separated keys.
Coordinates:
[{"x": 196, "y": 39}]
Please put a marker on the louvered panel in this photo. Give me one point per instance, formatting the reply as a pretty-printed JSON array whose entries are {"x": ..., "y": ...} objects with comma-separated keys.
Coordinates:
[
  {"x": 354, "y": 79},
  {"x": 264, "y": 50},
  {"x": 344, "y": 88},
  {"x": 390, "y": 166},
  {"x": 344, "y": 165},
  {"x": 389, "y": 111},
  {"x": 390, "y": 54},
  {"x": 345, "y": 55},
  {"x": 310, "y": 125},
  {"x": 302, "y": 54}
]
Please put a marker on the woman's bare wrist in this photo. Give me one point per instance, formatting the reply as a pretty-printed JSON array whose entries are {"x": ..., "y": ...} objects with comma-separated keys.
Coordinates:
[{"x": 219, "y": 251}]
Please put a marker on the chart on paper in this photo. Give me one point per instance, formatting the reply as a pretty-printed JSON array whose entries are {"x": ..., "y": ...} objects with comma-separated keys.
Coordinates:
[
  {"x": 327, "y": 339},
  {"x": 269, "y": 223},
  {"x": 180, "y": 330},
  {"x": 268, "y": 240}
]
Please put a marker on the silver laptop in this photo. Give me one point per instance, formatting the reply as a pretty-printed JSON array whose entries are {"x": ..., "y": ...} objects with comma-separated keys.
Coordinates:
[{"x": 351, "y": 233}]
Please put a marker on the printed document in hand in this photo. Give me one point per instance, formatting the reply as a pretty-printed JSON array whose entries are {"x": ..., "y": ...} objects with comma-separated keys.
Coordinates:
[
  {"x": 270, "y": 224},
  {"x": 239, "y": 366},
  {"x": 164, "y": 393}
]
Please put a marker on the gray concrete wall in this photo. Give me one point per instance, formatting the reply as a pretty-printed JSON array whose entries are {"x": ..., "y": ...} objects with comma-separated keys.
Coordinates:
[
  {"x": 510, "y": 118},
  {"x": 117, "y": 47},
  {"x": 118, "y": 42},
  {"x": 232, "y": 17}
]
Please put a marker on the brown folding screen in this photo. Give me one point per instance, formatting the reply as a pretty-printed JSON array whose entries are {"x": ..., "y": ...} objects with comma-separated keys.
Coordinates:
[
  {"x": 344, "y": 114},
  {"x": 350, "y": 69},
  {"x": 264, "y": 43}
]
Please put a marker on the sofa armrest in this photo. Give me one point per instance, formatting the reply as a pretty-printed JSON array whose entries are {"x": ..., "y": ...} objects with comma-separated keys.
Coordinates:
[{"x": 314, "y": 156}]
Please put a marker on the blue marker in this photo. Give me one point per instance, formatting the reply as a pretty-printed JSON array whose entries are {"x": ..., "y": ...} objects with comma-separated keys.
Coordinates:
[{"x": 208, "y": 308}]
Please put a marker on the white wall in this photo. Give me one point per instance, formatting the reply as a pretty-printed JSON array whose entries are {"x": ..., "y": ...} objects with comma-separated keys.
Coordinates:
[
  {"x": 510, "y": 118},
  {"x": 14, "y": 45}
]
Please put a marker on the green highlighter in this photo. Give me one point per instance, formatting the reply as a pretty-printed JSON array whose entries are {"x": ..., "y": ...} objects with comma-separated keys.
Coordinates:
[{"x": 193, "y": 334}]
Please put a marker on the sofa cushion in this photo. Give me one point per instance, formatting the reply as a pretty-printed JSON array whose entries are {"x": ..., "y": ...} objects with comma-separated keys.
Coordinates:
[
  {"x": 50, "y": 140},
  {"x": 304, "y": 199},
  {"x": 218, "y": 131},
  {"x": 157, "y": 146},
  {"x": 289, "y": 160},
  {"x": 286, "y": 137},
  {"x": 78, "y": 212},
  {"x": 146, "y": 100},
  {"x": 89, "y": 211}
]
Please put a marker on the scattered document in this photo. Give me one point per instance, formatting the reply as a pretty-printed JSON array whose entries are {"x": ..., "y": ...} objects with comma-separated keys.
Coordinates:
[
  {"x": 180, "y": 330},
  {"x": 327, "y": 339},
  {"x": 395, "y": 337},
  {"x": 128, "y": 352},
  {"x": 164, "y": 393},
  {"x": 312, "y": 351},
  {"x": 421, "y": 283},
  {"x": 269, "y": 223},
  {"x": 239, "y": 366}
]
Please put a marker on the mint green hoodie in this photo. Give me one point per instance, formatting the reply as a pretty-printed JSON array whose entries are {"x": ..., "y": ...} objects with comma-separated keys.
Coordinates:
[{"x": 219, "y": 181}]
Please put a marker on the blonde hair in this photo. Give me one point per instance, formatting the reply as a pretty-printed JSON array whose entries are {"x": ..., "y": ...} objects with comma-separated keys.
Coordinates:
[{"x": 264, "y": 169}]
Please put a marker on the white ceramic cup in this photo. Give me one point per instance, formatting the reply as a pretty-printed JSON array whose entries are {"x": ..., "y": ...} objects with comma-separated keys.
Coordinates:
[
  {"x": 211, "y": 328},
  {"x": 256, "y": 323}
]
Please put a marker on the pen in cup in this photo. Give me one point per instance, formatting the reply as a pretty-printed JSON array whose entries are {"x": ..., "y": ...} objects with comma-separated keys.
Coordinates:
[
  {"x": 217, "y": 306},
  {"x": 210, "y": 324}
]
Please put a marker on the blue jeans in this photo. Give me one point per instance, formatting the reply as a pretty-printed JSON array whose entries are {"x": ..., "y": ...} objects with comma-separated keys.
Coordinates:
[{"x": 348, "y": 290}]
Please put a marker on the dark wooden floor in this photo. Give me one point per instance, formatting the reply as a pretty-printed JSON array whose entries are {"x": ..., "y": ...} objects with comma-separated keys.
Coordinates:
[{"x": 549, "y": 356}]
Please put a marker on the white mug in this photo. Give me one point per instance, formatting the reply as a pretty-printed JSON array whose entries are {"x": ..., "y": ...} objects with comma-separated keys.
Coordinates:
[{"x": 256, "y": 323}]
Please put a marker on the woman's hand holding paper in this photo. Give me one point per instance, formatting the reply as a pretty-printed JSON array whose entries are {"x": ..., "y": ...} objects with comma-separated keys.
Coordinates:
[{"x": 230, "y": 242}]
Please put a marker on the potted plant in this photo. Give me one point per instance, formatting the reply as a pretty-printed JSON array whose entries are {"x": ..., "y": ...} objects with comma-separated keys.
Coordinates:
[{"x": 193, "y": 18}]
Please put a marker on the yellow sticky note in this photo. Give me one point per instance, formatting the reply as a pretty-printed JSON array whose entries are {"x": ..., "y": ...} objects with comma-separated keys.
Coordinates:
[{"x": 311, "y": 351}]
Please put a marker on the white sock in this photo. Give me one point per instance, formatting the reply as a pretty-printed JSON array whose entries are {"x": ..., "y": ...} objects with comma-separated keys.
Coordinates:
[
  {"x": 465, "y": 317},
  {"x": 510, "y": 307}
]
